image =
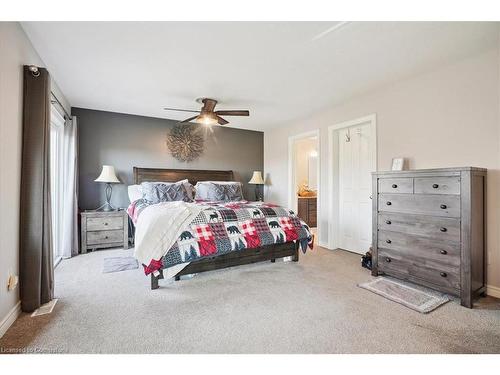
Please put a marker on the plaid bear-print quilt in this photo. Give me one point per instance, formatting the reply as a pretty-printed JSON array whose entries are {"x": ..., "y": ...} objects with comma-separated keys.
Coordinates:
[{"x": 211, "y": 228}]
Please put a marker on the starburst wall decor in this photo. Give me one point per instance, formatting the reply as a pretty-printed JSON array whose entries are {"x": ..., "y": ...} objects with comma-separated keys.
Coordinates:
[{"x": 185, "y": 142}]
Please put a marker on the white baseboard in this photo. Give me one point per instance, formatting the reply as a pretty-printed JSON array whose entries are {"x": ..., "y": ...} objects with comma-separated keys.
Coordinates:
[
  {"x": 10, "y": 318},
  {"x": 323, "y": 244},
  {"x": 493, "y": 291}
]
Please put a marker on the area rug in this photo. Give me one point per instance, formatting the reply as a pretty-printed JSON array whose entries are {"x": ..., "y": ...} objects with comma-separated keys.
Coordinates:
[
  {"x": 417, "y": 298},
  {"x": 118, "y": 264}
]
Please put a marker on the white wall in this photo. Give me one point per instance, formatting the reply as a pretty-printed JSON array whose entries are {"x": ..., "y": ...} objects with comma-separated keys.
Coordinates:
[
  {"x": 444, "y": 118},
  {"x": 15, "y": 51}
]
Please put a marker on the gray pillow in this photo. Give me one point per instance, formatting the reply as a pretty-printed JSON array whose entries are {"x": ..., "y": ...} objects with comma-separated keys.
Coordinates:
[
  {"x": 224, "y": 191},
  {"x": 154, "y": 192}
]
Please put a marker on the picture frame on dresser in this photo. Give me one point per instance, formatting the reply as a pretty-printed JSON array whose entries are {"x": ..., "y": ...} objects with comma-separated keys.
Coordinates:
[
  {"x": 429, "y": 228},
  {"x": 398, "y": 164}
]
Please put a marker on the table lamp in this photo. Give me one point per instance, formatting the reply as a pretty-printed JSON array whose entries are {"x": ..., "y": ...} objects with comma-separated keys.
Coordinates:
[
  {"x": 257, "y": 180},
  {"x": 108, "y": 176}
]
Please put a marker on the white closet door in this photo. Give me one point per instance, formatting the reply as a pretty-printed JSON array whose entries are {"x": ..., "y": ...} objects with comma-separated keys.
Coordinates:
[{"x": 356, "y": 163}]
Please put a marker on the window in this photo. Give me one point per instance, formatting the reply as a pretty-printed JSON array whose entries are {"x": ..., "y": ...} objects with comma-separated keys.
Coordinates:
[{"x": 56, "y": 179}]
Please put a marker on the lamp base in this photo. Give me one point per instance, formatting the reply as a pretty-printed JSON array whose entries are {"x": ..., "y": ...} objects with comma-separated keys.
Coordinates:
[
  {"x": 258, "y": 195},
  {"x": 106, "y": 207}
]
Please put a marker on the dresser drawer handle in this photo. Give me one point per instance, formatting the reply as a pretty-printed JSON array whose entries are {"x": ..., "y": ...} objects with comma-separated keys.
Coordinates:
[
  {"x": 435, "y": 186},
  {"x": 388, "y": 222},
  {"x": 394, "y": 186},
  {"x": 443, "y": 207},
  {"x": 388, "y": 241},
  {"x": 443, "y": 274},
  {"x": 443, "y": 229},
  {"x": 444, "y": 252},
  {"x": 389, "y": 203},
  {"x": 388, "y": 260}
]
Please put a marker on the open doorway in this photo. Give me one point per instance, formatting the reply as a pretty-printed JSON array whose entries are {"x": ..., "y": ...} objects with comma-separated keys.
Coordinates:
[{"x": 304, "y": 177}]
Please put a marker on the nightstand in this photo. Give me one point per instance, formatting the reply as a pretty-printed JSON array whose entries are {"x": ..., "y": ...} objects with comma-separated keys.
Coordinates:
[{"x": 102, "y": 229}]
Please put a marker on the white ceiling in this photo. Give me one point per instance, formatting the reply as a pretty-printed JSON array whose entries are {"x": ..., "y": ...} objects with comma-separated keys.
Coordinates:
[{"x": 280, "y": 71}]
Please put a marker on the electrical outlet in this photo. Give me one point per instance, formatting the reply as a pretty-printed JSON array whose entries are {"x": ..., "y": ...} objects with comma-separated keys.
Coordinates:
[{"x": 12, "y": 282}]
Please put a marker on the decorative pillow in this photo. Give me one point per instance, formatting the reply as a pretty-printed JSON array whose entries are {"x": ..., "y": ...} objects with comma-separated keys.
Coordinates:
[
  {"x": 219, "y": 191},
  {"x": 189, "y": 188},
  {"x": 156, "y": 192}
]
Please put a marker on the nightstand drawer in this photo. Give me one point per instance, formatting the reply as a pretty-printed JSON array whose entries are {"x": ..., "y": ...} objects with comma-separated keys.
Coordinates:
[
  {"x": 104, "y": 236},
  {"x": 104, "y": 223}
]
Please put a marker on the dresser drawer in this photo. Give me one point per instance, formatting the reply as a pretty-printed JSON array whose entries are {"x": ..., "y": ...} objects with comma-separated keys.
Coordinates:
[
  {"x": 437, "y": 185},
  {"x": 395, "y": 185},
  {"x": 439, "y": 228},
  {"x": 428, "y": 250},
  {"x": 104, "y": 223},
  {"x": 440, "y": 275},
  {"x": 104, "y": 236},
  {"x": 421, "y": 204}
]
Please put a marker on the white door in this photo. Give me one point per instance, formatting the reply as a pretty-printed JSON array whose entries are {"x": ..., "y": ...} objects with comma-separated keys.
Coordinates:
[{"x": 356, "y": 162}]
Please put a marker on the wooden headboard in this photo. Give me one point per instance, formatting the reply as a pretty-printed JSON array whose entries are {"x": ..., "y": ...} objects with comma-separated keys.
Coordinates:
[{"x": 174, "y": 175}]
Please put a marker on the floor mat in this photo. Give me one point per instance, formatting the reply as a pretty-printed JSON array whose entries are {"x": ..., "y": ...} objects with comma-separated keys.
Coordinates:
[
  {"x": 118, "y": 264},
  {"x": 420, "y": 299}
]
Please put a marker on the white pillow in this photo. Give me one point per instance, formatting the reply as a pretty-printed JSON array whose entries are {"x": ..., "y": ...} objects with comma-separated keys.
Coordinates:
[{"x": 134, "y": 192}]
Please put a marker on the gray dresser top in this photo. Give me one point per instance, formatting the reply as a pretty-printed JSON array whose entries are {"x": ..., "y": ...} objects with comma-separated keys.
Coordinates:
[{"x": 456, "y": 170}]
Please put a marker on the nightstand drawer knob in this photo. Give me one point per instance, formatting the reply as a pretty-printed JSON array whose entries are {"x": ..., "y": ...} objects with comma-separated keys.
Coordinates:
[
  {"x": 394, "y": 186},
  {"x": 443, "y": 229},
  {"x": 106, "y": 237},
  {"x": 388, "y": 241},
  {"x": 443, "y": 206},
  {"x": 105, "y": 223},
  {"x": 444, "y": 252},
  {"x": 435, "y": 186},
  {"x": 443, "y": 274},
  {"x": 388, "y": 260},
  {"x": 388, "y": 222},
  {"x": 389, "y": 203}
]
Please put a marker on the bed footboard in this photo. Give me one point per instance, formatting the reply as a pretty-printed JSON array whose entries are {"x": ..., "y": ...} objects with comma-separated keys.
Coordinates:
[{"x": 236, "y": 258}]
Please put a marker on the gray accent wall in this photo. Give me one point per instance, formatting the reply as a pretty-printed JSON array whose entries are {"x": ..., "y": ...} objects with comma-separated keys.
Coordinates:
[{"x": 125, "y": 141}]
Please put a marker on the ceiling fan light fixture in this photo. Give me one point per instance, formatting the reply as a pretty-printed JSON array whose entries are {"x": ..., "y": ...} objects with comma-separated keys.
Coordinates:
[{"x": 206, "y": 119}]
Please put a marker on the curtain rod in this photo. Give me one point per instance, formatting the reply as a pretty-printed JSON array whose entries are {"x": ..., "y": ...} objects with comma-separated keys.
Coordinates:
[
  {"x": 56, "y": 101},
  {"x": 34, "y": 70}
]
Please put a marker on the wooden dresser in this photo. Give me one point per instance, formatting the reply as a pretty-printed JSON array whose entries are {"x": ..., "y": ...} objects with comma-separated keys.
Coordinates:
[
  {"x": 429, "y": 228},
  {"x": 307, "y": 210},
  {"x": 100, "y": 229}
]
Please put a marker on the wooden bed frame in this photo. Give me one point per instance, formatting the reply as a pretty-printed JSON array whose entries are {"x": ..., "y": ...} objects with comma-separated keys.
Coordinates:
[{"x": 235, "y": 258}]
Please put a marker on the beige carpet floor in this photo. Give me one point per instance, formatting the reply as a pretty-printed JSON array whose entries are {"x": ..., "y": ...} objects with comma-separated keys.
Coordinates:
[{"x": 313, "y": 306}]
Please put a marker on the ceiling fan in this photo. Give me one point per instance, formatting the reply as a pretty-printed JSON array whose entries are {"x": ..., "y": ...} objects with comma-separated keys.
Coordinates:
[{"x": 207, "y": 115}]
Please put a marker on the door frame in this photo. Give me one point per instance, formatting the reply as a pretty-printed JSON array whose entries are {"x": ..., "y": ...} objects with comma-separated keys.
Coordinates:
[
  {"x": 333, "y": 167},
  {"x": 292, "y": 201}
]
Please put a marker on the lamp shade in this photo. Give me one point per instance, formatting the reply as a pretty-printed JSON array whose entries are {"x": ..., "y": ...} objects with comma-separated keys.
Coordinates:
[
  {"x": 108, "y": 175},
  {"x": 257, "y": 178}
]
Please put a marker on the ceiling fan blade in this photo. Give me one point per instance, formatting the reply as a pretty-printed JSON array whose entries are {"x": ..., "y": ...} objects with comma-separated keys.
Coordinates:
[
  {"x": 233, "y": 113},
  {"x": 188, "y": 119},
  {"x": 181, "y": 110},
  {"x": 221, "y": 121}
]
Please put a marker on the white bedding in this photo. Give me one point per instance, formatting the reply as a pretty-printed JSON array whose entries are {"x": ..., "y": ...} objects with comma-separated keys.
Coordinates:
[{"x": 158, "y": 227}]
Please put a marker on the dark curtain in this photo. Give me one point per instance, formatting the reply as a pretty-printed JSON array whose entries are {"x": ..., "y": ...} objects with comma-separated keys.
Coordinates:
[{"x": 36, "y": 257}]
